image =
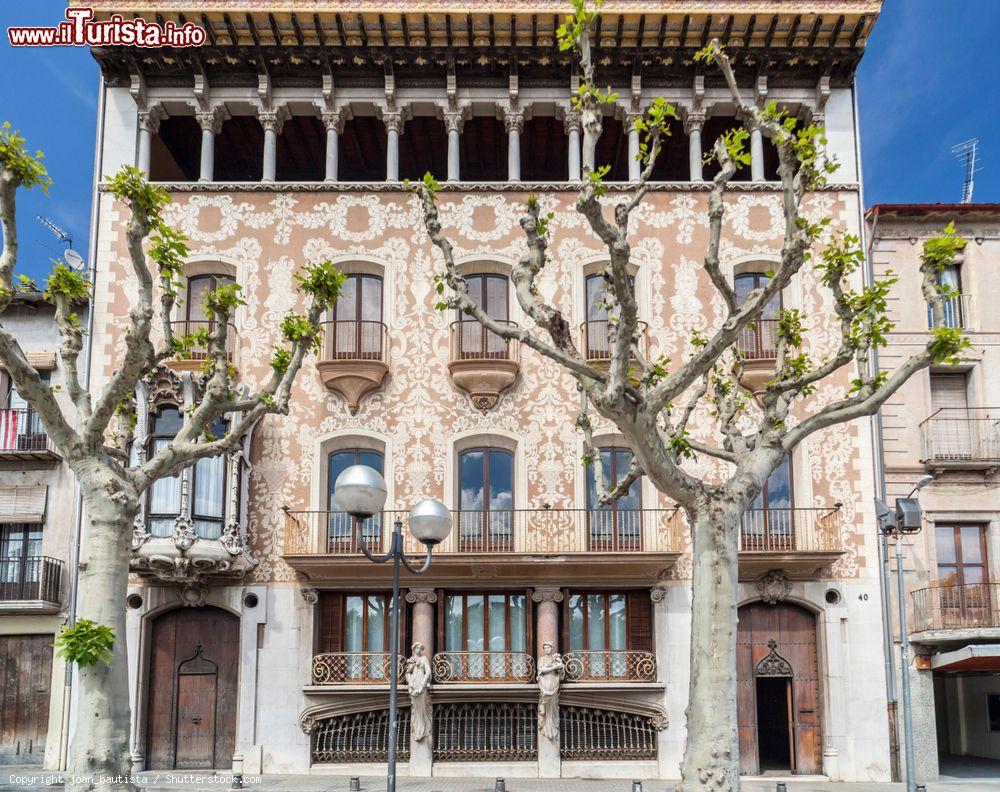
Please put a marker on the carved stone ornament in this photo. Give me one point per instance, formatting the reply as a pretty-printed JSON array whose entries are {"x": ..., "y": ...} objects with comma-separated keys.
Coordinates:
[
  {"x": 193, "y": 595},
  {"x": 139, "y": 533},
  {"x": 658, "y": 593},
  {"x": 773, "y": 664},
  {"x": 311, "y": 596},
  {"x": 165, "y": 387},
  {"x": 660, "y": 721},
  {"x": 774, "y": 587},
  {"x": 184, "y": 536},
  {"x": 231, "y": 539}
]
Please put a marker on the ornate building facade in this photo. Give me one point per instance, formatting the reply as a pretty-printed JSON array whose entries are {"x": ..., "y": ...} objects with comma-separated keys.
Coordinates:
[{"x": 555, "y": 630}]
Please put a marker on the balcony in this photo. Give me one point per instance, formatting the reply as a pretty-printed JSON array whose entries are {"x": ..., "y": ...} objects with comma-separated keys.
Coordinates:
[
  {"x": 481, "y": 363},
  {"x": 483, "y": 667},
  {"x": 961, "y": 438},
  {"x": 32, "y": 584},
  {"x": 610, "y": 666},
  {"x": 353, "y": 358},
  {"x": 801, "y": 542},
  {"x": 758, "y": 343},
  {"x": 957, "y": 312},
  {"x": 22, "y": 437},
  {"x": 957, "y": 612},
  {"x": 353, "y": 668},
  {"x": 194, "y": 359},
  {"x": 520, "y": 544},
  {"x": 596, "y": 341}
]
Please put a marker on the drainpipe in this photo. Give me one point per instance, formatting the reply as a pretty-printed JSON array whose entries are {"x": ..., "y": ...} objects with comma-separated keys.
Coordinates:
[
  {"x": 95, "y": 216},
  {"x": 878, "y": 460}
]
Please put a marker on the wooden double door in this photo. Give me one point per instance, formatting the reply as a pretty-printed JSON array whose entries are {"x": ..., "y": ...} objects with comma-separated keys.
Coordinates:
[
  {"x": 25, "y": 682},
  {"x": 193, "y": 678},
  {"x": 778, "y": 701}
]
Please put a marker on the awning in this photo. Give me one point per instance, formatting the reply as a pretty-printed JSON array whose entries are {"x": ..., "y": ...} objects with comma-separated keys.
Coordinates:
[
  {"x": 23, "y": 504},
  {"x": 975, "y": 657},
  {"x": 41, "y": 361}
]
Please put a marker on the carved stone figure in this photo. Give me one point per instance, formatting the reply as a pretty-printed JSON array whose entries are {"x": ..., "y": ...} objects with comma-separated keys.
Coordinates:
[
  {"x": 418, "y": 682},
  {"x": 551, "y": 672}
]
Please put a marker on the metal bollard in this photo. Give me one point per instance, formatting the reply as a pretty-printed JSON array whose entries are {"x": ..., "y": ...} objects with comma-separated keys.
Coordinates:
[
  {"x": 637, "y": 786},
  {"x": 780, "y": 786},
  {"x": 355, "y": 784},
  {"x": 500, "y": 786},
  {"x": 237, "y": 771},
  {"x": 921, "y": 788}
]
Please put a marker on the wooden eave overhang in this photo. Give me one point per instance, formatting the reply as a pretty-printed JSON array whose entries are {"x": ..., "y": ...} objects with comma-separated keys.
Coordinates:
[{"x": 761, "y": 35}]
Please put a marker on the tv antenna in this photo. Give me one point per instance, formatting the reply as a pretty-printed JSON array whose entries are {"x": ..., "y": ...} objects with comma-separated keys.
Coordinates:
[
  {"x": 73, "y": 259},
  {"x": 967, "y": 153}
]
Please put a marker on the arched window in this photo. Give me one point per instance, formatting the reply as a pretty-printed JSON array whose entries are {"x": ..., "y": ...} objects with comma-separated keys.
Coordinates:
[
  {"x": 208, "y": 504},
  {"x": 596, "y": 336},
  {"x": 758, "y": 339},
  {"x": 357, "y": 320},
  {"x": 199, "y": 286},
  {"x": 491, "y": 293},
  {"x": 615, "y": 526},
  {"x": 342, "y": 529},
  {"x": 486, "y": 500},
  {"x": 164, "y": 499}
]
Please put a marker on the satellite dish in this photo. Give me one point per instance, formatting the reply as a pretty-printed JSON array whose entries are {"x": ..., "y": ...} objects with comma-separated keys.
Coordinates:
[{"x": 74, "y": 260}]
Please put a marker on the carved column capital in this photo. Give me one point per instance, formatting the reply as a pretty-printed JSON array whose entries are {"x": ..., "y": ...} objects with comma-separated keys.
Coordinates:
[
  {"x": 547, "y": 595},
  {"x": 311, "y": 596},
  {"x": 454, "y": 121},
  {"x": 572, "y": 122},
  {"x": 427, "y": 595},
  {"x": 513, "y": 121},
  {"x": 149, "y": 120},
  {"x": 630, "y": 120},
  {"x": 393, "y": 120},
  {"x": 658, "y": 593},
  {"x": 273, "y": 120},
  {"x": 211, "y": 120},
  {"x": 694, "y": 120},
  {"x": 333, "y": 121}
]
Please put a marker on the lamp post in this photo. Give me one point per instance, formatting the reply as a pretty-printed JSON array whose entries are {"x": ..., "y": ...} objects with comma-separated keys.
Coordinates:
[
  {"x": 907, "y": 519},
  {"x": 360, "y": 490}
]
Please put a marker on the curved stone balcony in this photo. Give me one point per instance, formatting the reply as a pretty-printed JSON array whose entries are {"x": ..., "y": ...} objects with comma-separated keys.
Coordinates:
[
  {"x": 610, "y": 666},
  {"x": 353, "y": 358},
  {"x": 483, "y": 667},
  {"x": 758, "y": 343},
  {"x": 196, "y": 357},
  {"x": 595, "y": 338},
  {"x": 481, "y": 363}
]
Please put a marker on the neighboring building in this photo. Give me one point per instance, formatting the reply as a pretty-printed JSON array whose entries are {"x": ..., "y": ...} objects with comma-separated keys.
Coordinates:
[
  {"x": 37, "y": 514},
  {"x": 945, "y": 422},
  {"x": 286, "y": 139}
]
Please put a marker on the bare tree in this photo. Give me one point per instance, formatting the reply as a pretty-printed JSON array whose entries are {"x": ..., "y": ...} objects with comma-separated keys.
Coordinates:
[
  {"x": 652, "y": 401},
  {"x": 94, "y": 435}
]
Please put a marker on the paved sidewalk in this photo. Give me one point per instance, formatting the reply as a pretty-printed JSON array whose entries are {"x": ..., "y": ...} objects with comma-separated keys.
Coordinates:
[{"x": 170, "y": 782}]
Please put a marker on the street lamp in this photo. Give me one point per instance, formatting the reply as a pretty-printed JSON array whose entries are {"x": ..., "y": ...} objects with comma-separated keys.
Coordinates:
[
  {"x": 360, "y": 491},
  {"x": 907, "y": 519}
]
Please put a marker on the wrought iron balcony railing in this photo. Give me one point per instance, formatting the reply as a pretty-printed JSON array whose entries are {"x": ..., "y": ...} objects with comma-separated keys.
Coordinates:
[
  {"x": 353, "y": 339},
  {"x": 200, "y": 352},
  {"x": 471, "y": 341},
  {"x": 32, "y": 578},
  {"x": 536, "y": 531},
  {"x": 791, "y": 530},
  {"x": 970, "y": 606},
  {"x": 353, "y": 668},
  {"x": 610, "y": 666},
  {"x": 961, "y": 436},
  {"x": 22, "y": 433},
  {"x": 471, "y": 667},
  {"x": 957, "y": 312},
  {"x": 597, "y": 340},
  {"x": 759, "y": 339}
]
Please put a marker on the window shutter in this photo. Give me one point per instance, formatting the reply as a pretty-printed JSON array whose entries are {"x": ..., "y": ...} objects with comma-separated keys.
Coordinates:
[
  {"x": 440, "y": 622},
  {"x": 564, "y": 627},
  {"x": 331, "y": 622},
  {"x": 640, "y": 621}
]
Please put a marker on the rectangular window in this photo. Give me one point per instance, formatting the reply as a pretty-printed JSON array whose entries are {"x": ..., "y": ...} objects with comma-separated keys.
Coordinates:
[
  {"x": 602, "y": 627},
  {"x": 486, "y": 635},
  {"x": 962, "y": 575},
  {"x": 20, "y": 551},
  {"x": 355, "y": 627}
]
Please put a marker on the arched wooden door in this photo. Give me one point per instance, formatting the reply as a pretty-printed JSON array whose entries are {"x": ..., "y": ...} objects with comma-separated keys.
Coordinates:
[
  {"x": 191, "y": 717},
  {"x": 777, "y": 690}
]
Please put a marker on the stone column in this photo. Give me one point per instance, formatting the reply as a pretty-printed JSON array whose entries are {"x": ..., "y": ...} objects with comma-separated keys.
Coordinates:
[
  {"x": 693, "y": 125},
  {"x": 422, "y": 599},
  {"x": 514, "y": 122},
  {"x": 547, "y": 631},
  {"x": 634, "y": 165},
  {"x": 756, "y": 155},
  {"x": 149, "y": 125},
  {"x": 573, "y": 130},
  {"x": 334, "y": 124},
  {"x": 393, "y": 121},
  {"x": 453, "y": 123},
  {"x": 211, "y": 124},
  {"x": 272, "y": 121}
]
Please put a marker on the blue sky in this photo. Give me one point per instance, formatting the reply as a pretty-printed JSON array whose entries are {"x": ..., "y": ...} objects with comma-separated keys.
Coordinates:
[{"x": 927, "y": 82}]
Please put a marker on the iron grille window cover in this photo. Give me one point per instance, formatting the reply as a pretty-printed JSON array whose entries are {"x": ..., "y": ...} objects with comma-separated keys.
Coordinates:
[
  {"x": 595, "y": 734},
  {"x": 485, "y": 732},
  {"x": 360, "y": 737}
]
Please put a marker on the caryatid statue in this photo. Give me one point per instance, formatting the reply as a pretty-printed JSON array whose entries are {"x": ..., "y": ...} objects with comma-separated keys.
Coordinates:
[
  {"x": 551, "y": 672},
  {"x": 418, "y": 682}
]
